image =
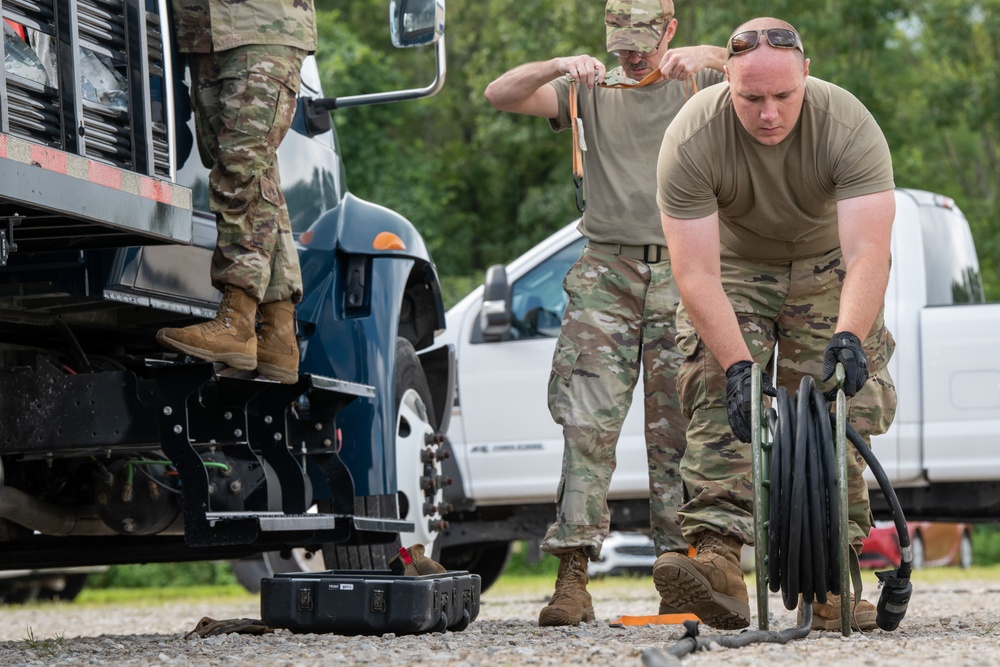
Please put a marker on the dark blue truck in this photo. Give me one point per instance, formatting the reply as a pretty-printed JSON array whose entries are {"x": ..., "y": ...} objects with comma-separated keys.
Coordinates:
[{"x": 116, "y": 451}]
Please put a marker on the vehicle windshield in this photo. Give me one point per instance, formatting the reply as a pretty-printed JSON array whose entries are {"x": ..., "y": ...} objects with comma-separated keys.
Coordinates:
[{"x": 952, "y": 266}]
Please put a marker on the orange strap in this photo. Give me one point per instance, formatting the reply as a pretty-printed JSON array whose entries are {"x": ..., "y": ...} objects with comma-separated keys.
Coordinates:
[
  {"x": 653, "y": 77},
  {"x": 573, "y": 116},
  {"x": 581, "y": 199},
  {"x": 662, "y": 619}
]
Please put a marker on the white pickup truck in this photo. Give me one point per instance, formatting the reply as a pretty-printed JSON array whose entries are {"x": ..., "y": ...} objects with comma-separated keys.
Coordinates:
[{"x": 942, "y": 453}]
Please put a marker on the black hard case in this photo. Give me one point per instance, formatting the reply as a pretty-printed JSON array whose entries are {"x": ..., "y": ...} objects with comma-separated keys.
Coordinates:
[{"x": 370, "y": 602}]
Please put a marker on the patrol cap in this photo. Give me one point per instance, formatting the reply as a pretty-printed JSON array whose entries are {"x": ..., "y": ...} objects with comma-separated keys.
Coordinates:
[{"x": 636, "y": 25}]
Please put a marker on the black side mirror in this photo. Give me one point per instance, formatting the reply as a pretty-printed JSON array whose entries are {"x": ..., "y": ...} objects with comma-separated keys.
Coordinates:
[
  {"x": 494, "y": 316},
  {"x": 315, "y": 117}
]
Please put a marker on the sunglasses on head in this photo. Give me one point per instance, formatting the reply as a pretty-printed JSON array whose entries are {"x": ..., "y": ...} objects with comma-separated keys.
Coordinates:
[{"x": 779, "y": 38}]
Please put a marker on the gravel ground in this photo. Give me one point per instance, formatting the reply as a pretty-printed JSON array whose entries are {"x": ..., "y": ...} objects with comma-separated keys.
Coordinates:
[{"x": 950, "y": 621}]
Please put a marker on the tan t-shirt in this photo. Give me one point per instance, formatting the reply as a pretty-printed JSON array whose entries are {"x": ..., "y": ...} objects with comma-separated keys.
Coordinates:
[
  {"x": 775, "y": 203},
  {"x": 622, "y": 129}
]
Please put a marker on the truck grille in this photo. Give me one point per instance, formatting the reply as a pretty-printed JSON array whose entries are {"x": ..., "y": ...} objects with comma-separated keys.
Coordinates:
[{"x": 107, "y": 99}]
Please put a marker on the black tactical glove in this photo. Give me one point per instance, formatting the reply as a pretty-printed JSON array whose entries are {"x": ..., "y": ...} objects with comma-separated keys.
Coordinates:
[
  {"x": 738, "y": 378},
  {"x": 845, "y": 348}
]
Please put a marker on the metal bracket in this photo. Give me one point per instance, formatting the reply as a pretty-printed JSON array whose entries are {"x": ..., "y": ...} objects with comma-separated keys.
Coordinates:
[
  {"x": 7, "y": 244},
  {"x": 760, "y": 449}
]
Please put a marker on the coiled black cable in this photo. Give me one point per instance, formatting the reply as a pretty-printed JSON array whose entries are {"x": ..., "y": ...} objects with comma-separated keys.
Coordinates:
[
  {"x": 804, "y": 531},
  {"x": 803, "y": 554}
]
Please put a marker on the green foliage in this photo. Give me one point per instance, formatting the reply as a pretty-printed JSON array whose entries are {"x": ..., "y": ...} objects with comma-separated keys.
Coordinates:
[
  {"x": 986, "y": 544},
  {"x": 483, "y": 186},
  {"x": 453, "y": 288},
  {"x": 169, "y": 575},
  {"x": 49, "y": 647},
  {"x": 522, "y": 563}
]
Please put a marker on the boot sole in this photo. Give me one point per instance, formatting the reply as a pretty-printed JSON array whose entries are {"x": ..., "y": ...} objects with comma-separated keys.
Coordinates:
[
  {"x": 238, "y": 360},
  {"x": 681, "y": 586},
  {"x": 278, "y": 373},
  {"x": 560, "y": 619}
]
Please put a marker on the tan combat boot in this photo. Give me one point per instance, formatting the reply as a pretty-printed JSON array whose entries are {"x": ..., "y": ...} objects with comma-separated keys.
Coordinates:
[
  {"x": 277, "y": 349},
  {"x": 229, "y": 338},
  {"x": 665, "y": 607},
  {"x": 571, "y": 603},
  {"x": 710, "y": 585},
  {"x": 827, "y": 616}
]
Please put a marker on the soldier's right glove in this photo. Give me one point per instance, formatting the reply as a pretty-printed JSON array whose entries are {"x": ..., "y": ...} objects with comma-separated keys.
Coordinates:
[
  {"x": 846, "y": 348},
  {"x": 738, "y": 381}
]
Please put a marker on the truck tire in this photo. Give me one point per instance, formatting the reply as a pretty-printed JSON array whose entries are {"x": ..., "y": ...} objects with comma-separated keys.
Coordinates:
[
  {"x": 487, "y": 560},
  {"x": 415, "y": 419},
  {"x": 414, "y": 423}
]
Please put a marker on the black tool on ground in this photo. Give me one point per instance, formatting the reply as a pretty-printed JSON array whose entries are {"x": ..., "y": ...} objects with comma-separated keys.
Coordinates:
[
  {"x": 804, "y": 526},
  {"x": 372, "y": 602}
]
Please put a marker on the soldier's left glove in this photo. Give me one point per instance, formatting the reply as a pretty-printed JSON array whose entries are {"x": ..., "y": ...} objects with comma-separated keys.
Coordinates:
[
  {"x": 738, "y": 381},
  {"x": 846, "y": 348}
]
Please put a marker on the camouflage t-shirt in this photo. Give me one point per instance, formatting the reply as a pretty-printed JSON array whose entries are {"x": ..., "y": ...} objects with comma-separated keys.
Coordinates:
[
  {"x": 622, "y": 129},
  {"x": 205, "y": 26},
  {"x": 775, "y": 203}
]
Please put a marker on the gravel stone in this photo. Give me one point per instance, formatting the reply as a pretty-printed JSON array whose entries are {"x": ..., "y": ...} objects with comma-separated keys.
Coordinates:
[{"x": 953, "y": 623}]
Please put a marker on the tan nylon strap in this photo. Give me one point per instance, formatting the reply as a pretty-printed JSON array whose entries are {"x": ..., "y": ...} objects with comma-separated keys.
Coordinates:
[
  {"x": 573, "y": 115},
  {"x": 654, "y": 77}
]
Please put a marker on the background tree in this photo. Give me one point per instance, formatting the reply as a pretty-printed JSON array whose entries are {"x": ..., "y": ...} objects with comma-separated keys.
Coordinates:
[{"x": 484, "y": 186}]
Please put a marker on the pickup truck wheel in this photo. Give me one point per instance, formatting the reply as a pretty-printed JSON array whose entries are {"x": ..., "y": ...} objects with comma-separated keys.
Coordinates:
[
  {"x": 917, "y": 544},
  {"x": 486, "y": 560},
  {"x": 249, "y": 571},
  {"x": 63, "y": 587},
  {"x": 965, "y": 551}
]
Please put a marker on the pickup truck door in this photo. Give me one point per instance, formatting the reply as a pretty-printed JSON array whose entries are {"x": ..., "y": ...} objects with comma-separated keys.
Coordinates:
[{"x": 513, "y": 449}]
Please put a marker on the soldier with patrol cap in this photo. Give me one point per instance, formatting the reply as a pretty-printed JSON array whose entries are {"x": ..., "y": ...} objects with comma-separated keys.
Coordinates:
[
  {"x": 620, "y": 314},
  {"x": 245, "y": 59}
]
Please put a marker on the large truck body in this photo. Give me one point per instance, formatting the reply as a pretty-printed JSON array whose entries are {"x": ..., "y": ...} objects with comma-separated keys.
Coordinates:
[{"x": 115, "y": 451}]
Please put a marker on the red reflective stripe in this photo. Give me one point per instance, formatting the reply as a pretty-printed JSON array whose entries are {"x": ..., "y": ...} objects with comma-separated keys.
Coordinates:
[
  {"x": 159, "y": 190},
  {"x": 103, "y": 174},
  {"x": 54, "y": 160},
  {"x": 49, "y": 159},
  {"x": 18, "y": 28}
]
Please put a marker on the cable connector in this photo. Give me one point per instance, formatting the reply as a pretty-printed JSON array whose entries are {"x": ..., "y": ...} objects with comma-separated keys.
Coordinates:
[{"x": 892, "y": 603}]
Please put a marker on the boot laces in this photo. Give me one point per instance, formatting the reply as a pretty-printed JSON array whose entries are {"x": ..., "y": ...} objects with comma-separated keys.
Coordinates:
[
  {"x": 572, "y": 573},
  {"x": 713, "y": 543}
]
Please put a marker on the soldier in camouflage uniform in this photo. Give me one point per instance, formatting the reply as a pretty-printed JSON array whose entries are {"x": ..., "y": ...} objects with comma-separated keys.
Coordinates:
[
  {"x": 245, "y": 58},
  {"x": 619, "y": 320},
  {"x": 789, "y": 180}
]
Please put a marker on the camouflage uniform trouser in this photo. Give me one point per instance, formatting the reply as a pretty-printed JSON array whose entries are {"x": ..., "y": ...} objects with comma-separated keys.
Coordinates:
[
  {"x": 244, "y": 102},
  {"x": 620, "y": 314},
  {"x": 796, "y": 306}
]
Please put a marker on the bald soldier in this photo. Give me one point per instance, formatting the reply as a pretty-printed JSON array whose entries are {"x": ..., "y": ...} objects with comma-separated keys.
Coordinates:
[
  {"x": 622, "y": 300},
  {"x": 787, "y": 179}
]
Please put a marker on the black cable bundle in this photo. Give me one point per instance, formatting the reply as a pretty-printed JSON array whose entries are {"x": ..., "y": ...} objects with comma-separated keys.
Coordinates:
[{"x": 803, "y": 556}]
